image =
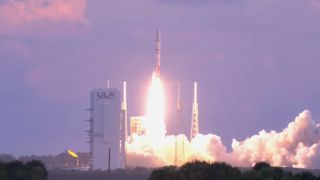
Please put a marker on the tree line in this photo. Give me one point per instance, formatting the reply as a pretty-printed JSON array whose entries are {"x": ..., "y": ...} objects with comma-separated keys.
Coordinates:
[
  {"x": 17, "y": 170},
  {"x": 137, "y": 173},
  {"x": 59, "y": 161},
  {"x": 199, "y": 170}
]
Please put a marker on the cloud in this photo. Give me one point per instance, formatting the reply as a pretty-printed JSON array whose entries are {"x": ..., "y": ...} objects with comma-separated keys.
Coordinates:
[{"x": 14, "y": 14}]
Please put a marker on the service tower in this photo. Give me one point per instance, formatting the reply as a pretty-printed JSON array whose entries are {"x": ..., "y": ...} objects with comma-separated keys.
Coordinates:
[
  {"x": 195, "y": 114},
  {"x": 104, "y": 132}
]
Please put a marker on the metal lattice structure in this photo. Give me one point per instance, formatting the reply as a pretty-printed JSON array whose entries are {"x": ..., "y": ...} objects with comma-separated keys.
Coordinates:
[
  {"x": 90, "y": 134},
  {"x": 179, "y": 151},
  {"x": 195, "y": 114}
]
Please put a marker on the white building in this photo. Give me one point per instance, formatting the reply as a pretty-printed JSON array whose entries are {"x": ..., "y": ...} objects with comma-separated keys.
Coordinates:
[{"x": 105, "y": 128}]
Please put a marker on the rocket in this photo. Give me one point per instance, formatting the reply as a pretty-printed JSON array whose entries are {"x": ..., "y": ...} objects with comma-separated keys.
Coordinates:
[{"x": 157, "y": 51}]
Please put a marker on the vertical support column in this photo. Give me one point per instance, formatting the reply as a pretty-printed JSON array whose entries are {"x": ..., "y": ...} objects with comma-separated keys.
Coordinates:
[
  {"x": 109, "y": 161},
  {"x": 90, "y": 134},
  {"x": 123, "y": 128},
  {"x": 195, "y": 114}
]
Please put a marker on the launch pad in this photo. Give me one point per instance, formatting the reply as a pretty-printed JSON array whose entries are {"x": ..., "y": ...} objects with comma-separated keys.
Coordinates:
[{"x": 112, "y": 146}]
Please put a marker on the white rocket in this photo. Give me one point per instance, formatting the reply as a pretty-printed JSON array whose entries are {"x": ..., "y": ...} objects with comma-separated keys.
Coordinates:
[{"x": 157, "y": 51}]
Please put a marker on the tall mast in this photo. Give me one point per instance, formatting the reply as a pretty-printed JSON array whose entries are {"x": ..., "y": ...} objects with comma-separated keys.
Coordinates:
[
  {"x": 195, "y": 113},
  {"x": 123, "y": 128}
]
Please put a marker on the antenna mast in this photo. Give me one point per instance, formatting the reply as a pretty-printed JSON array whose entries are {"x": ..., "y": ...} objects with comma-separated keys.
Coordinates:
[
  {"x": 123, "y": 128},
  {"x": 195, "y": 113}
]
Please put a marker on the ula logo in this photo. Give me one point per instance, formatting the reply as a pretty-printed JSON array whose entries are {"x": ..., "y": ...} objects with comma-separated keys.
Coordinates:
[{"x": 104, "y": 95}]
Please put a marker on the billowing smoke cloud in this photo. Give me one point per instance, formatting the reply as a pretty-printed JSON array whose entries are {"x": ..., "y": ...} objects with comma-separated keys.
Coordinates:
[{"x": 295, "y": 146}]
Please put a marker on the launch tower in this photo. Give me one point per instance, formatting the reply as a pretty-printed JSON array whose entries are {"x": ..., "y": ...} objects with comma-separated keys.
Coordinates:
[
  {"x": 104, "y": 128},
  {"x": 123, "y": 128},
  {"x": 195, "y": 114}
]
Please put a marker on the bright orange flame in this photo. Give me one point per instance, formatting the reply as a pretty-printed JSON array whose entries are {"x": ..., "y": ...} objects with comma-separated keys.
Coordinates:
[
  {"x": 154, "y": 122},
  {"x": 73, "y": 154}
]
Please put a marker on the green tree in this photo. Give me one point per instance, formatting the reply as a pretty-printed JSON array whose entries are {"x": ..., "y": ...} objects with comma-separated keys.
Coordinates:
[
  {"x": 15, "y": 170},
  {"x": 261, "y": 165},
  {"x": 305, "y": 176},
  {"x": 165, "y": 173},
  {"x": 36, "y": 170},
  {"x": 197, "y": 170},
  {"x": 222, "y": 171},
  {"x": 251, "y": 175},
  {"x": 3, "y": 175}
]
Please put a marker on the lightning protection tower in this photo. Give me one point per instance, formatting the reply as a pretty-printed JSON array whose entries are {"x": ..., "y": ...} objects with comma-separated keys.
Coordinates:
[
  {"x": 123, "y": 128},
  {"x": 195, "y": 114}
]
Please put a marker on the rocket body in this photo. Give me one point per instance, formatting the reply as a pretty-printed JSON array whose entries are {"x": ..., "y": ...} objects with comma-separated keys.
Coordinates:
[{"x": 157, "y": 51}]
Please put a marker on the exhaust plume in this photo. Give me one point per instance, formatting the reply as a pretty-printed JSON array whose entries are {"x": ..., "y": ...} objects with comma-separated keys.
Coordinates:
[{"x": 295, "y": 146}]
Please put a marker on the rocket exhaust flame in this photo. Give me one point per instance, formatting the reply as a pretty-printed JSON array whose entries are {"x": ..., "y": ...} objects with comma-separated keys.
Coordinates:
[{"x": 154, "y": 122}]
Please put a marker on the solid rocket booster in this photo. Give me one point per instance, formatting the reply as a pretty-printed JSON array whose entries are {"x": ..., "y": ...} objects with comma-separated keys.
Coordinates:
[{"x": 157, "y": 50}]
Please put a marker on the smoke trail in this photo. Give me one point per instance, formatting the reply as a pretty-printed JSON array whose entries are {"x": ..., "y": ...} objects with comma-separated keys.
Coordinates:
[{"x": 295, "y": 146}]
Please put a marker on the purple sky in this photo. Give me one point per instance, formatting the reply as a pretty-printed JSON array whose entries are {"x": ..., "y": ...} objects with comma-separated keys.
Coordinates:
[{"x": 256, "y": 62}]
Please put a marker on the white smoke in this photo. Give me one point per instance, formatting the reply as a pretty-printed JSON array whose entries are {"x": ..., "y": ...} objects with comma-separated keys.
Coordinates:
[{"x": 295, "y": 146}]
